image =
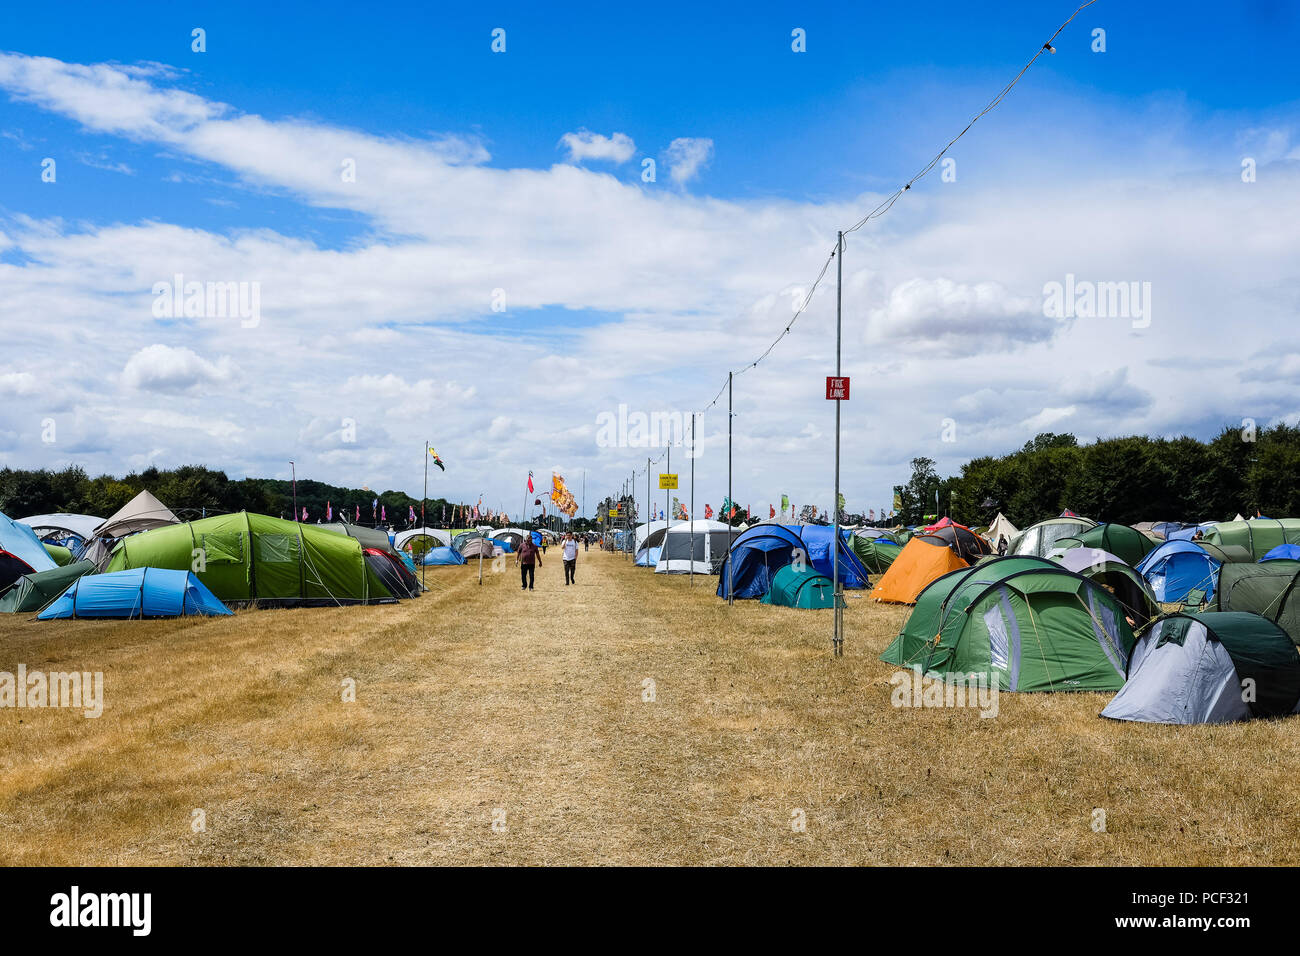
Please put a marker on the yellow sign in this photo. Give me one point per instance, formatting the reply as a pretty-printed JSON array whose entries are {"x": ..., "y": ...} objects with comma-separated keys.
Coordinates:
[
  {"x": 667, "y": 481},
  {"x": 613, "y": 512}
]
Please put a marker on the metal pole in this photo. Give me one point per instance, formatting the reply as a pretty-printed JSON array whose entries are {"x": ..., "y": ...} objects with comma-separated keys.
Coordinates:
[
  {"x": 691, "y": 517},
  {"x": 731, "y": 571},
  {"x": 649, "y": 506},
  {"x": 668, "y": 515},
  {"x": 837, "y": 636},
  {"x": 423, "y": 566},
  {"x": 294, "y": 472}
]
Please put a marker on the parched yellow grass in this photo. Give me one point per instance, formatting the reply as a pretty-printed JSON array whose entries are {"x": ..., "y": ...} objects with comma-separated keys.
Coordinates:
[{"x": 475, "y": 699}]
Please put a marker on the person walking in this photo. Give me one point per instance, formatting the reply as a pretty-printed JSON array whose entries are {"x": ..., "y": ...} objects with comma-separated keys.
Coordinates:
[
  {"x": 525, "y": 558},
  {"x": 570, "y": 559}
]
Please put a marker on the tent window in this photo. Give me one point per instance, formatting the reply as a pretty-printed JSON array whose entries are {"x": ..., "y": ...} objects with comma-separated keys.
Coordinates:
[
  {"x": 223, "y": 547},
  {"x": 277, "y": 548},
  {"x": 999, "y": 642}
]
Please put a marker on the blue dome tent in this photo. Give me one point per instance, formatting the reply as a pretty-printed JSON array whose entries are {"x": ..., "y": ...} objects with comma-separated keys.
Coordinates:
[
  {"x": 436, "y": 556},
  {"x": 133, "y": 593},
  {"x": 764, "y": 549}
]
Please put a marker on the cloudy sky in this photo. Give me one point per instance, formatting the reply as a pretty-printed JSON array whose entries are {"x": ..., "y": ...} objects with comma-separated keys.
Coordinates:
[{"x": 491, "y": 250}]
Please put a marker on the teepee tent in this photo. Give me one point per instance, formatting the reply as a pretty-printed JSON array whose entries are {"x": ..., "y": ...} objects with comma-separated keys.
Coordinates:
[
  {"x": 1210, "y": 668},
  {"x": 1001, "y": 528}
]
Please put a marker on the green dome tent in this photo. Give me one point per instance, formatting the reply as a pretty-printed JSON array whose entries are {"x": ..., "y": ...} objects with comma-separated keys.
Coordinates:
[
  {"x": 1267, "y": 589},
  {"x": 1025, "y": 621},
  {"x": 1127, "y": 544},
  {"x": 1210, "y": 668},
  {"x": 800, "y": 586},
  {"x": 876, "y": 555},
  {"x": 32, "y": 592},
  {"x": 252, "y": 557}
]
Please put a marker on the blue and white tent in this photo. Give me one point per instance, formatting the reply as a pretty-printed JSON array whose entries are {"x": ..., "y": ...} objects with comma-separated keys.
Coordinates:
[
  {"x": 1178, "y": 567},
  {"x": 138, "y": 592},
  {"x": 437, "y": 556}
]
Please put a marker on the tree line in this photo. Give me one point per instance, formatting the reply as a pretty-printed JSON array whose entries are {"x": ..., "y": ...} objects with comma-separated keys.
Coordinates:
[
  {"x": 1126, "y": 480},
  {"x": 193, "y": 490}
]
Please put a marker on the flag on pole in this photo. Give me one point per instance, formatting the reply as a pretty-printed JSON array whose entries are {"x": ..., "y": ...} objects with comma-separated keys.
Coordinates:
[
  {"x": 411, "y": 517},
  {"x": 771, "y": 511},
  {"x": 329, "y": 511},
  {"x": 436, "y": 460},
  {"x": 304, "y": 513},
  {"x": 785, "y": 504},
  {"x": 530, "y": 482},
  {"x": 358, "y": 513},
  {"x": 383, "y": 512},
  {"x": 708, "y": 511}
]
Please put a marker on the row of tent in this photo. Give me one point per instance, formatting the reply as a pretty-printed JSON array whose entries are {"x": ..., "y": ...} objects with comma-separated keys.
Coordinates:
[
  {"x": 1033, "y": 624},
  {"x": 237, "y": 559}
]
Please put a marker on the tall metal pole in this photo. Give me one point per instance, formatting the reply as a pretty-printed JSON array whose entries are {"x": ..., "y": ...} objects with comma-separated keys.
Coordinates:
[
  {"x": 691, "y": 517},
  {"x": 837, "y": 636},
  {"x": 649, "y": 507},
  {"x": 423, "y": 566},
  {"x": 294, "y": 472},
  {"x": 731, "y": 571},
  {"x": 668, "y": 516}
]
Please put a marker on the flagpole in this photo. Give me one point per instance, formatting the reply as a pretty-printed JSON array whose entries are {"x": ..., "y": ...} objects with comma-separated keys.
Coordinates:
[{"x": 294, "y": 472}]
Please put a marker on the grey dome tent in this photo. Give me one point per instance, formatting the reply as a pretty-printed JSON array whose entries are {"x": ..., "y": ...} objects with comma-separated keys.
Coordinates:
[{"x": 1210, "y": 668}]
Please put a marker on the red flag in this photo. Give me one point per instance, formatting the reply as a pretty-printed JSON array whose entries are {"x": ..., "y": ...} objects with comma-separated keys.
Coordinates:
[
  {"x": 771, "y": 512},
  {"x": 530, "y": 482},
  {"x": 708, "y": 511},
  {"x": 358, "y": 514}
]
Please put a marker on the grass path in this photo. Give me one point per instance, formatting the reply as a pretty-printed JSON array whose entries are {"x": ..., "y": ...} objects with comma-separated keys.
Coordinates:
[{"x": 475, "y": 699}]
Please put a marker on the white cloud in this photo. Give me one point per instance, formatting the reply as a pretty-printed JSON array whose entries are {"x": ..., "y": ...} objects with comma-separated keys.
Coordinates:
[
  {"x": 664, "y": 292},
  {"x": 584, "y": 145},
  {"x": 686, "y": 157},
  {"x": 161, "y": 368}
]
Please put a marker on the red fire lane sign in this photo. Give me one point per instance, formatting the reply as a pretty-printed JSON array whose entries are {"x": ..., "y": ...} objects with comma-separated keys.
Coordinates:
[{"x": 837, "y": 389}]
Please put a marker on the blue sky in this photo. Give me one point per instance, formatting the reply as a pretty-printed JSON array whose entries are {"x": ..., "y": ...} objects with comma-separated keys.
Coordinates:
[{"x": 618, "y": 290}]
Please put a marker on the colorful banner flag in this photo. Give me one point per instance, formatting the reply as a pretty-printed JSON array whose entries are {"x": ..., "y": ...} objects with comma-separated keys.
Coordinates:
[
  {"x": 304, "y": 513},
  {"x": 708, "y": 511},
  {"x": 771, "y": 511},
  {"x": 530, "y": 482},
  {"x": 329, "y": 511},
  {"x": 436, "y": 460},
  {"x": 561, "y": 497}
]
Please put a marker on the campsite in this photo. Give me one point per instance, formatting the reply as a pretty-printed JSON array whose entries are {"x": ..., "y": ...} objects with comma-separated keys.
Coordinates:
[{"x": 603, "y": 438}]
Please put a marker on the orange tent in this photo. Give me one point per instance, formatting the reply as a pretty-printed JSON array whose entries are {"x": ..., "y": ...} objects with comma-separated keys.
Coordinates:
[{"x": 919, "y": 563}]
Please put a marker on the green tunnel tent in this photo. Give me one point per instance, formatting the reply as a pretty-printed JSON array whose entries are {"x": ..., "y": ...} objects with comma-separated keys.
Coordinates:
[
  {"x": 1259, "y": 536},
  {"x": 1268, "y": 589},
  {"x": 1127, "y": 544},
  {"x": 1210, "y": 668},
  {"x": 1025, "y": 621},
  {"x": 800, "y": 585},
  {"x": 247, "y": 557},
  {"x": 33, "y": 592}
]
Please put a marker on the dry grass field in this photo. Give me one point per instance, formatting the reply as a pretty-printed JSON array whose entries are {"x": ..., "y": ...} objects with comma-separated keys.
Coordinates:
[{"x": 475, "y": 699}]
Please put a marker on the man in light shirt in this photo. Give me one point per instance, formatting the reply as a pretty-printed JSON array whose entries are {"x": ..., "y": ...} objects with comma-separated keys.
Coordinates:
[{"x": 570, "y": 559}]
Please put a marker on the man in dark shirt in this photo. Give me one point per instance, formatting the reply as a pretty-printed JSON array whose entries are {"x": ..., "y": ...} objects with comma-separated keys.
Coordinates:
[{"x": 525, "y": 557}]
